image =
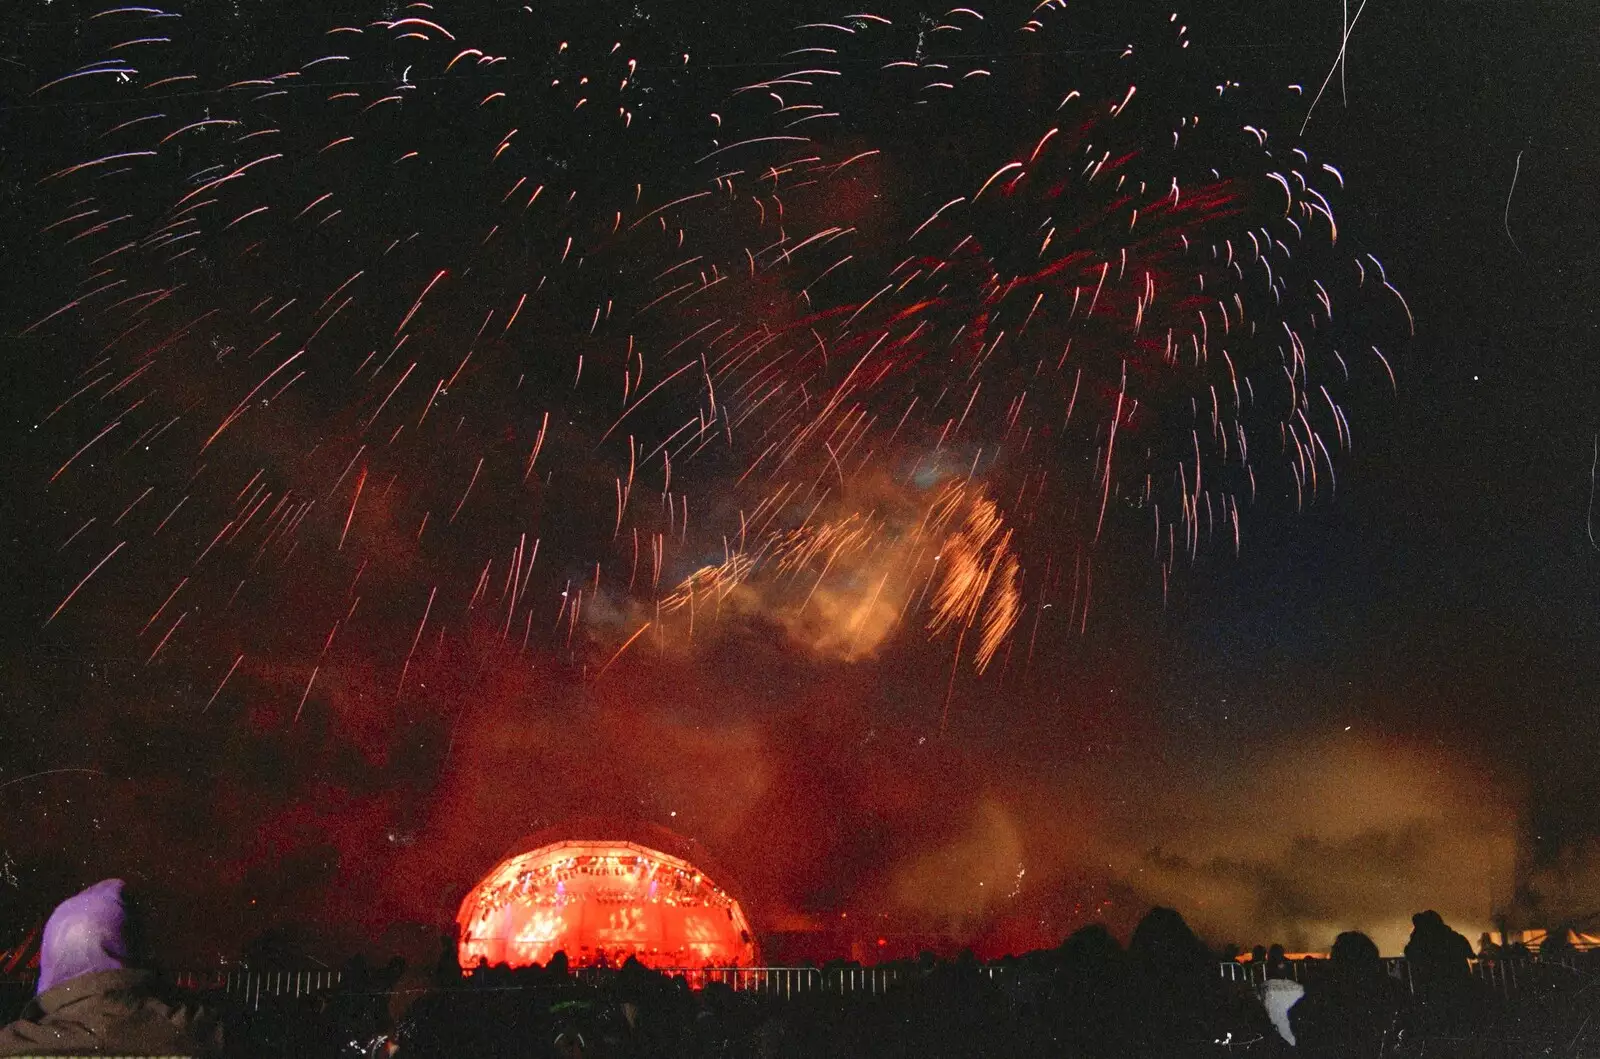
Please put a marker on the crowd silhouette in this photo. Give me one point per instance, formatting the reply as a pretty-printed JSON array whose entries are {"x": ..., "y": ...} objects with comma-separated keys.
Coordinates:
[{"x": 1159, "y": 997}]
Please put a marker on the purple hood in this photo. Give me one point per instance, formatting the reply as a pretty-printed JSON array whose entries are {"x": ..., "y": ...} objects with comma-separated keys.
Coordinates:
[{"x": 83, "y": 935}]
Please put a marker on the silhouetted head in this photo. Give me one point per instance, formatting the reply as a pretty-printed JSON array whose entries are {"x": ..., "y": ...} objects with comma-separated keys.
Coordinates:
[
  {"x": 1429, "y": 922},
  {"x": 633, "y": 979},
  {"x": 1091, "y": 947},
  {"x": 1355, "y": 955},
  {"x": 95, "y": 930},
  {"x": 1163, "y": 940}
]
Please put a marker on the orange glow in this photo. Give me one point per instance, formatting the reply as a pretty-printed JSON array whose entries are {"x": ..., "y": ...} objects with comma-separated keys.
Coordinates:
[{"x": 602, "y": 902}]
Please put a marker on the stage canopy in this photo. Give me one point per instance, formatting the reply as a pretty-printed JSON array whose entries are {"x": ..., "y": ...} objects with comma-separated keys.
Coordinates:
[{"x": 601, "y": 902}]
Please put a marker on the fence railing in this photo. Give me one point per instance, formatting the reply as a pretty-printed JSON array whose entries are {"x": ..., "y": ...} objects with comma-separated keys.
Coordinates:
[
  {"x": 247, "y": 987},
  {"x": 789, "y": 981},
  {"x": 1505, "y": 977},
  {"x": 250, "y": 988}
]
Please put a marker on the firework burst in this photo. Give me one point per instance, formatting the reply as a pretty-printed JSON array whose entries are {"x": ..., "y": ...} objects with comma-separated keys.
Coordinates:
[
  {"x": 1002, "y": 245},
  {"x": 437, "y": 326}
]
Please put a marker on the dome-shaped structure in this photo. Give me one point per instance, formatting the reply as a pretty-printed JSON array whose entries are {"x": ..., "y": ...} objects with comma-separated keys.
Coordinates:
[{"x": 601, "y": 902}]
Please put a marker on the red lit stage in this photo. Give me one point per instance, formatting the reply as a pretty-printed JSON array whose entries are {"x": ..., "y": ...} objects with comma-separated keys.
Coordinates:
[{"x": 601, "y": 902}]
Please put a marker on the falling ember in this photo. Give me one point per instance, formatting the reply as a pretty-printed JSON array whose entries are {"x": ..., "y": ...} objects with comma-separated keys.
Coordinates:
[{"x": 602, "y": 902}]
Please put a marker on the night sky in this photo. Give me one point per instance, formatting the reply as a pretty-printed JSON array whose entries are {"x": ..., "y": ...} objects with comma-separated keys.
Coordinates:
[{"x": 1383, "y": 703}]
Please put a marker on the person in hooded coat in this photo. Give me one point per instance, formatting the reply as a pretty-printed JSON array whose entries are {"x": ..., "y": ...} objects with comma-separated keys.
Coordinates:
[
  {"x": 1279, "y": 992},
  {"x": 92, "y": 999}
]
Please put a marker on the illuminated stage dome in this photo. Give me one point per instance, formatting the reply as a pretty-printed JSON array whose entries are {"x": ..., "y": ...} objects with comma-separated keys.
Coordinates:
[{"x": 601, "y": 902}]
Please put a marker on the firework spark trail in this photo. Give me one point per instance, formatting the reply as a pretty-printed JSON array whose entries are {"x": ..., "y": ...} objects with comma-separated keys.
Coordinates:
[
  {"x": 254, "y": 233},
  {"x": 1339, "y": 62},
  {"x": 79, "y": 586},
  {"x": 397, "y": 274},
  {"x": 1505, "y": 218}
]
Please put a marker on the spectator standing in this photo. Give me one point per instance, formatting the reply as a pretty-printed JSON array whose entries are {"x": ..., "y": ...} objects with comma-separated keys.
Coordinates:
[
  {"x": 1353, "y": 1009},
  {"x": 1451, "y": 1002}
]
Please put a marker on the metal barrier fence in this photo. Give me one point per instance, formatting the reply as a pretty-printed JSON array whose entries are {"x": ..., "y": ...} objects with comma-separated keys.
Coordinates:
[
  {"x": 1506, "y": 977},
  {"x": 247, "y": 987},
  {"x": 250, "y": 988},
  {"x": 791, "y": 981},
  {"x": 778, "y": 981}
]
